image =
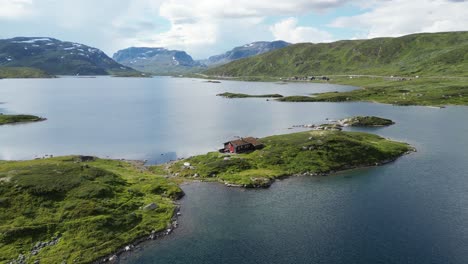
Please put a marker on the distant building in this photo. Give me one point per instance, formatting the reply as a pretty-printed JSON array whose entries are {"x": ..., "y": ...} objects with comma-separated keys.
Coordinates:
[{"x": 242, "y": 145}]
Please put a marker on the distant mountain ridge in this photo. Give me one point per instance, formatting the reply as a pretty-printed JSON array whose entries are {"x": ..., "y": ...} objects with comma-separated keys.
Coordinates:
[
  {"x": 156, "y": 60},
  {"x": 165, "y": 62},
  {"x": 57, "y": 57},
  {"x": 248, "y": 50},
  {"x": 435, "y": 54}
]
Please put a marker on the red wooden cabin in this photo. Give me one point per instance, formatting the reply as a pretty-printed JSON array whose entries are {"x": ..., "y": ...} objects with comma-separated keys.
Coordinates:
[{"x": 242, "y": 145}]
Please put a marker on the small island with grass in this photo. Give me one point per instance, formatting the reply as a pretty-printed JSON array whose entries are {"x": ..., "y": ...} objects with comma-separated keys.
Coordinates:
[
  {"x": 15, "y": 119},
  {"x": 366, "y": 121},
  {"x": 241, "y": 95},
  {"x": 305, "y": 153}
]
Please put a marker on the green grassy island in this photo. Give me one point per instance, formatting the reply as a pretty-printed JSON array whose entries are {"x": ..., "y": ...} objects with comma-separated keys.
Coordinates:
[
  {"x": 14, "y": 119},
  {"x": 241, "y": 95},
  {"x": 78, "y": 209},
  {"x": 309, "y": 153}
]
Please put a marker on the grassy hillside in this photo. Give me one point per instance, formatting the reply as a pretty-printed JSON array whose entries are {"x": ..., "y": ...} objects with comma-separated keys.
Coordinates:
[
  {"x": 311, "y": 152},
  {"x": 74, "y": 209},
  {"x": 435, "y": 54},
  {"x": 422, "y": 91},
  {"x": 22, "y": 72}
]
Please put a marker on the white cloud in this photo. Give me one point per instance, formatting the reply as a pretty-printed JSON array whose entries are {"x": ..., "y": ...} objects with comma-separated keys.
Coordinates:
[
  {"x": 201, "y": 26},
  {"x": 401, "y": 17},
  {"x": 206, "y": 27},
  {"x": 14, "y": 9},
  {"x": 289, "y": 31}
]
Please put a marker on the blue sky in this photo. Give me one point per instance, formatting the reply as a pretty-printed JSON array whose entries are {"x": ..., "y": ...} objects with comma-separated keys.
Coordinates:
[{"x": 208, "y": 27}]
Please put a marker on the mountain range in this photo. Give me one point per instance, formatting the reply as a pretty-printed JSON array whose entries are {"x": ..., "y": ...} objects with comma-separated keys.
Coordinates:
[
  {"x": 163, "y": 61},
  {"x": 435, "y": 54},
  {"x": 57, "y": 57}
]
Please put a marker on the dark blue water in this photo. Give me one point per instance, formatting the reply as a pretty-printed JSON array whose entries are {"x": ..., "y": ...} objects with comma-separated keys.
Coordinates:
[{"x": 414, "y": 210}]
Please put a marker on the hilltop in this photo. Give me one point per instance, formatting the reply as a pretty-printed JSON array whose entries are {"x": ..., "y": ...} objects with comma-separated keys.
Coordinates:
[
  {"x": 55, "y": 57},
  {"x": 435, "y": 54}
]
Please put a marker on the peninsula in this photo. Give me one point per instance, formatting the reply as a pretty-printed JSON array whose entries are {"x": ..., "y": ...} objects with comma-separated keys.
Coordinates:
[
  {"x": 309, "y": 153},
  {"x": 81, "y": 208}
]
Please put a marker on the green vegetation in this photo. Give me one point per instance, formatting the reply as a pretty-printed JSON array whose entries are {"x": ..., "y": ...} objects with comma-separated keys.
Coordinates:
[
  {"x": 241, "y": 95},
  {"x": 427, "y": 63},
  {"x": 312, "y": 152},
  {"x": 421, "y": 91},
  {"x": 12, "y": 119},
  {"x": 81, "y": 208},
  {"x": 366, "y": 121},
  {"x": 76, "y": 209},
  {"x": 435, "y": 54},
  {"x": 22, "y": 72}
]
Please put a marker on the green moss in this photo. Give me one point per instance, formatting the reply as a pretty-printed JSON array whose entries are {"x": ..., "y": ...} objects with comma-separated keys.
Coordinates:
[
  {"x": 93, "y": 206},
  {"x": 12, "y": 119},
  {"x": 311, "y": 152}
]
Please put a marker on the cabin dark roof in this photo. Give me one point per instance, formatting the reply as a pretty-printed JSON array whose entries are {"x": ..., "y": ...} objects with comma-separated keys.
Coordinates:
[{"x": 245, "y": 141}]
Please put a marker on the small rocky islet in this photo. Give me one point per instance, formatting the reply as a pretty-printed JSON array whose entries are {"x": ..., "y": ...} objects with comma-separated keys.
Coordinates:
[{"x": 356, "y": 121}]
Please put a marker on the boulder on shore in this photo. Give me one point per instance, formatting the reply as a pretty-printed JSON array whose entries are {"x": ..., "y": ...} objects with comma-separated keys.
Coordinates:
[{"x": 151, "y": 206}]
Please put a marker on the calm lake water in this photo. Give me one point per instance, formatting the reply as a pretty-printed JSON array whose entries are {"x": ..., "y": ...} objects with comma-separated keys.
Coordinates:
[{"x": 414, "y": 210}]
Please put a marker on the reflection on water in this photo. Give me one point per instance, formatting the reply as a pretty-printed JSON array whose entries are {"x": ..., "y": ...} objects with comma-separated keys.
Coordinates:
[
  {"x": 143, "y": 118},
  {"x": 414, "y": 210}
]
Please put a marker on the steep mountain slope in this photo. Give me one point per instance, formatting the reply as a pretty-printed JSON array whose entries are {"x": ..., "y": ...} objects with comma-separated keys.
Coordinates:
[
  {"x": 436, "y": 54},
  {"x": 156, "y": 60},
  {"x": 57, "y": 57},
  {"x": 245, "y": 51}
]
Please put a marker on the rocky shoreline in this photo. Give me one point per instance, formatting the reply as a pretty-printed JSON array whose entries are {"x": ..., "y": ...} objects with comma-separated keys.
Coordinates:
[
  {"x": 115, "y": 256},
  {"x": 269, "y": 182}
]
